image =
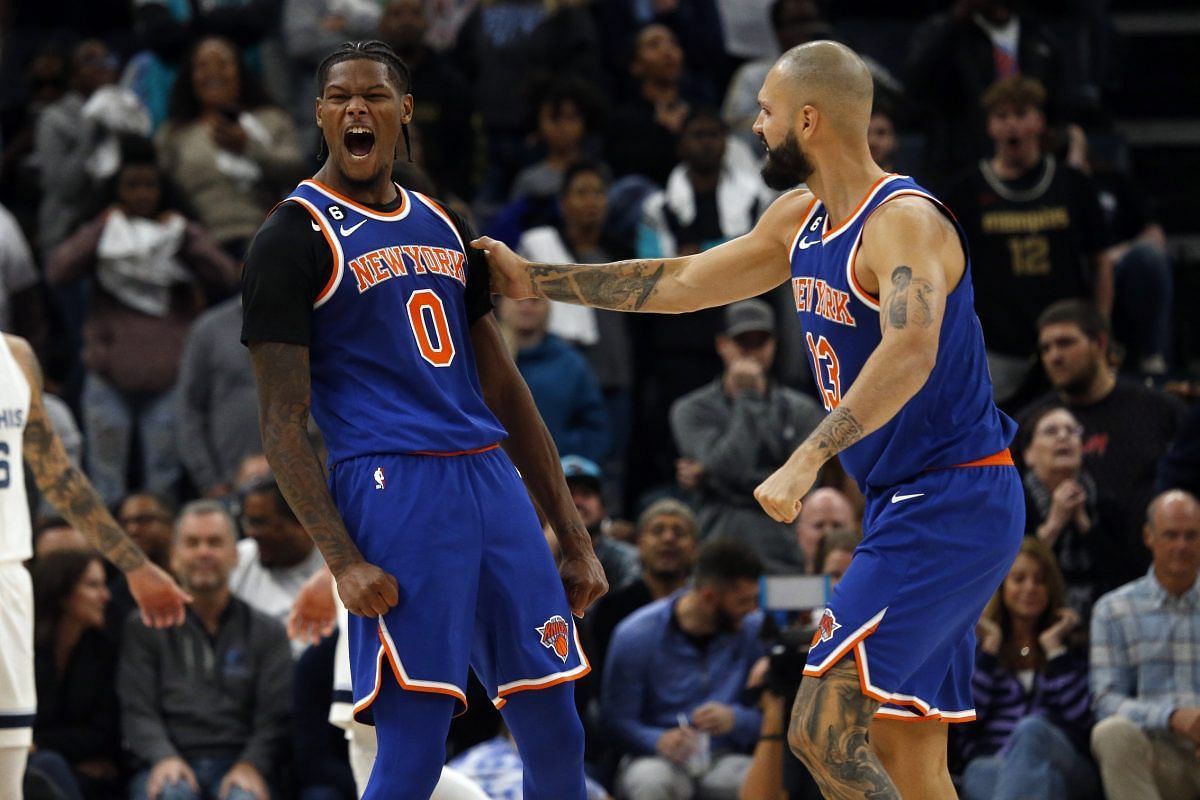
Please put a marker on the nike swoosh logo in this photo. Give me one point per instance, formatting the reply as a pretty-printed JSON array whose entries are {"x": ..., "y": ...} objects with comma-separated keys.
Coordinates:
[
  {"x": 899, "y": 498},
  {"x": 805, "y": 243},
  {"x": 347, "y": 231}
]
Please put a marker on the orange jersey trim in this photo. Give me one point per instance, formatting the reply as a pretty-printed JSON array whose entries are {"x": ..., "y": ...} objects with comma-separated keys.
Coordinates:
[
  {"x": 399, "y": 212},
  {"x": 438, "y": 454},
  {"x": 870, "y": 193},
  {"x": 1002, "y": 459}
]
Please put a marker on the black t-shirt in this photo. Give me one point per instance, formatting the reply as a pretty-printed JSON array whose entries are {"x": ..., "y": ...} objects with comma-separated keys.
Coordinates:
[
  {"x": 289, "y": 262},
  {"x": 1031, "y": 241}
]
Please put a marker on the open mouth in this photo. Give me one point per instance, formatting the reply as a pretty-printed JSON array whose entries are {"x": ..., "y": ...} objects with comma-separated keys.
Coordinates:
[{"x": 359, "y": 141}]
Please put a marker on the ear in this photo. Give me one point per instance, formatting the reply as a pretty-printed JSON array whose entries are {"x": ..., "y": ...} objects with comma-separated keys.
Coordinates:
[
  {"x": 1148, "y": 536},
  {"x": 406, "y": 109},
  {"x": 806, "y": 123},
  {"x": 317, "y": 110}
]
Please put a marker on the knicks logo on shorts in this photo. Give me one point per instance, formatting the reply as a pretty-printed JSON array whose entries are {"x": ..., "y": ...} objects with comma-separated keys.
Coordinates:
[
  {"x": 555, "y": 635},
  {"x": 825, "y": 628}
]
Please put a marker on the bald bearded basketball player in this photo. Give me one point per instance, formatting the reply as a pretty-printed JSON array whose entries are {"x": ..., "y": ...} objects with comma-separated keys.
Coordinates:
[{"x": 881, "y": 281}]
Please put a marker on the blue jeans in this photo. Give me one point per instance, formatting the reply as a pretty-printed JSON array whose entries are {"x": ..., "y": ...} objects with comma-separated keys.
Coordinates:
[
  {"x": 110, "y": 417},
  {"x": 209, "y": 774},
  {"x": 1142, "y": 305},
  {"x": 1038, "y": 763}
]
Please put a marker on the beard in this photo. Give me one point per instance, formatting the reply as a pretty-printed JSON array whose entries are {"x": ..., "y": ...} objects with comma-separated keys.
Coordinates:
[
  {"x": 726, "y": 622},
  {"x": 786, "y": 165},
  {"x": 1081, "y": 382}
]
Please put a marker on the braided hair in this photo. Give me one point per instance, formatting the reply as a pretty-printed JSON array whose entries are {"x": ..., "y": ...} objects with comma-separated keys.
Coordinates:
[{"x": 372, "y": 50}]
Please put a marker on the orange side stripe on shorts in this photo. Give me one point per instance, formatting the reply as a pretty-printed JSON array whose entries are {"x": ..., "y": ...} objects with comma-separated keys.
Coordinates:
[
  {"x": 476, "y": 451},
  {"x": 1002, "y": 459}
]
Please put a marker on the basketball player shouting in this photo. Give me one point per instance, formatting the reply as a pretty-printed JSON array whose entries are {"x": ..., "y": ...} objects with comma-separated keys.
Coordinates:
[
  {"x": 881, "y": 281},
  {"x": 26, "y": 436},
  {"x": 361, "y": 297}
]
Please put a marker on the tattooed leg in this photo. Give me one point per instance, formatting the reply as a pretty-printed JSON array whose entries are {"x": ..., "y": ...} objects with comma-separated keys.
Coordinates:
[
  {"x": 914, "y": 755},
  {"x": 829, "y": 734}
]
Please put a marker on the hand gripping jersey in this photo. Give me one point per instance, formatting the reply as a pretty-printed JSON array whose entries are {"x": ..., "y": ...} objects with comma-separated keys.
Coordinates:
[
  {"x": 392, "y": 366},
  {"x": 952, "y": 419}
]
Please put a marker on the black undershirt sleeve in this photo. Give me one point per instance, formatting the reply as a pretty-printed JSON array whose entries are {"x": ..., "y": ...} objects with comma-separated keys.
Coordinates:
[
  {"x": 286, "y": 267},
  {"x": 478, "y": 296}
]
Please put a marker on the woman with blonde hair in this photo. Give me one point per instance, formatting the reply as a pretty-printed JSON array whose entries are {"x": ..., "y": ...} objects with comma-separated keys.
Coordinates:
[{"x": 1033, "y": 713}]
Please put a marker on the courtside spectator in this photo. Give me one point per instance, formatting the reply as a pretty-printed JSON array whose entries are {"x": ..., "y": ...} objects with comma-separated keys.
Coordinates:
[
  {"x": 674, "y": 677},
  {"x": 1144, "y": 674},
  {"x": 204, "y": 706},
  {"x": 1029, "y": 738}
]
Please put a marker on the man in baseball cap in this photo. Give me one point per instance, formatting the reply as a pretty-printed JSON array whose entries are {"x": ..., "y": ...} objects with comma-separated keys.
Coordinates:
[{"x": 585, "y": 479}]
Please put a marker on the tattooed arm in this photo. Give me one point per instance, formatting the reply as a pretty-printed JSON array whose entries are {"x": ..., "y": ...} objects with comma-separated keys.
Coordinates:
[
  {"x": 282, "y": 374},
  {"x": 911, "y": 257},
  {"x": 159, "y": 599},
  {"x": 747, "y": 266},
  {"x": 533, "y": 452}
]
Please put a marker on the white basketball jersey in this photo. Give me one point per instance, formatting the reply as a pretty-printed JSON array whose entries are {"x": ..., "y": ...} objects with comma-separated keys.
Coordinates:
[{"x": 16, "y": 534}]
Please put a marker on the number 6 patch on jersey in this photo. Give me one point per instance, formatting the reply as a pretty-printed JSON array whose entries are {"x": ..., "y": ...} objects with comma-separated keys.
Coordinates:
[{"x": 826, "y": 369}]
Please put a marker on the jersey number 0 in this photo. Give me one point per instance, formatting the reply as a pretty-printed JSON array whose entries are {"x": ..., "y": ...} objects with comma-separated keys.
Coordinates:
[{"x": 427, "y": 317}]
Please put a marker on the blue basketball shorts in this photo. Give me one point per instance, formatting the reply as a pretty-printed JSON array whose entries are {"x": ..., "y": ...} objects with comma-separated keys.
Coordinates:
[
  {"x": 935, "y": 549},
  {"x": 478, "y": 584}
]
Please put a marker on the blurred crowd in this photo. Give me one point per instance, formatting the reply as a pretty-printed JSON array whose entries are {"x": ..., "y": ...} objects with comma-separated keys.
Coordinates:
[{"x": 143, "y": 143}]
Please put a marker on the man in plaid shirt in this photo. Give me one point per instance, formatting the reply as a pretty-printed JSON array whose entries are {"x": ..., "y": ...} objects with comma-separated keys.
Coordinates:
[{"x": 1145, "y": 665}]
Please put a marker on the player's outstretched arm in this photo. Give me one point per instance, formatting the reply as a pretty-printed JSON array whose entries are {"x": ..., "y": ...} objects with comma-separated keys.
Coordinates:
[
  {"x": 914, "y": 254},
  {"x": 161, "y": 601},
  {"x": 282, "y": 374},
  {"x": 533, "y": 452},
  {"x": 743, "y": 267}
]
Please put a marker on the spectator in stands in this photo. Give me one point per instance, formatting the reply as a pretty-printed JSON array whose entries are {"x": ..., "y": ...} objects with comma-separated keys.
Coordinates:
[
  {"x": 1144, "y": 677},
  {"x": 147, "y": 518},
  {"x": 204, "y": 705},
  {"x": 1126, "y": 427},
  {"x": 311, "y": 30},
  {"x": 55, "y": 534},
  {"x": 217, "y": 402},
  {"x": 737, "y": 430},
  {"x": 674, "y": 675},
  {"x": 824, "y": 510},
  {"x": 1029, "y": 739},
  {"x": 64, "y": 142},
  {"x": 1036, "y": 230},
  {"x": 666, "y": 545},
  {"x": 956, "y": 55},
  {"x": 580, "y": 237},
  {"x": 1065, "y": 511},
  {"x": 709, "y": 197},
  {"x": 442, "y": 117},
  {"x": 835, "y": 552},
  {"x": 881, "y": 137},
  {"x": 794, "y": 22},
  {"x": 586, "y": 482},
  {"x": 644, "y": 130},
  {"x": 75, "y": 668},
  {"x": 501, "y": 47},
  {"x": 1143, "y": 270},
  {"x": 696, "y": 26},
  {"x": 46, "y": 80},
  {"x": 151, "y": 267},
  {"x": 170, "y": 29},
  {"x": 225, "y": 145},
  {"x": 566, "y": 113},
  {"x": 276, "y": 557},
  {"x": 21, "y": 307},
  {"x": 563, "y": 385}
]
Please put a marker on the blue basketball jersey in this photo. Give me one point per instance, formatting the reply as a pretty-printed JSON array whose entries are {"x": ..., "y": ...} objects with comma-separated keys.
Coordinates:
[
  {"x": 393, "y": 370},
  {"x": 952, "y": 419}
]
